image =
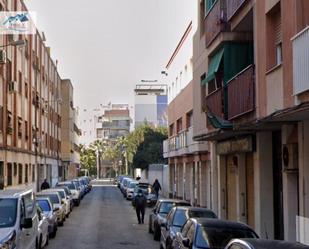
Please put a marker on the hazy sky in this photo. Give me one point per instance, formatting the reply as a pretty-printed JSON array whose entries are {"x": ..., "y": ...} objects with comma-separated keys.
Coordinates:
[{"x": 107, "y": 46}]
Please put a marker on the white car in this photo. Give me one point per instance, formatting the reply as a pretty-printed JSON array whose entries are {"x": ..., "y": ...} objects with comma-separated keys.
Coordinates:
[
  {"x": 76, "y": 194},
  {"x": 65, "y": 199},
  {"x": 43, "y": 234},
  {"x": 130, "y": 189},
  {"x": 18, "y": 219}
]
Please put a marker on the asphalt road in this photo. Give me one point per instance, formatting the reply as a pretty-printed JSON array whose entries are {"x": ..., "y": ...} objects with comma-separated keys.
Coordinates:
[{"x": 104, "y": 220}]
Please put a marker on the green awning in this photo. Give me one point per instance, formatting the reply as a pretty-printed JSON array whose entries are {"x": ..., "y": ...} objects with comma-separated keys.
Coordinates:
[
  {"x": 219, "y": 123},
  {"x": 213, "y": 66}
]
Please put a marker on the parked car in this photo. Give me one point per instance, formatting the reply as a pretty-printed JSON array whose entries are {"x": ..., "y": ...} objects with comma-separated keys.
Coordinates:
[
  {"x": 263, "y": 243},
  {"x": 147, "y": 191},
  {"x": 80, "y": 187},
  {"x": 124, "y": 184},
  {"x": 210, "y": 233},
  {"x": 58, "y": 205},
  {"x": 76, "y": 194},
  {"x": 119, "y": 180},
  {"x": 43, "y": 236},
  {"x": 47, "y": 209},
  {"x": 18, "y": 219},
  {"x": 130, "y": 189},
  {"x": 69, "y": 196},
  {"x": 159, "y": 213},
  {"x": 176, "y": 218},
  {"x": 64, "y": 198}
]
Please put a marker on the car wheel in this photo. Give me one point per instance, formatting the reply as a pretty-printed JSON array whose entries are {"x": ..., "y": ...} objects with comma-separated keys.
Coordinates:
[
  {"x": 149, "y": 226},
  {"x": 156, "y": 233},
  {"x": 53, "y": 234}
]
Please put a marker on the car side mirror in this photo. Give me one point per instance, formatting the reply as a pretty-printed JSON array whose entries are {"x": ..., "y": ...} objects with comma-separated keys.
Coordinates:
[
  {"x": 186, "y": 242},
  {"x": 26, "y": 223},
  {"x": 56, "y": 209}
]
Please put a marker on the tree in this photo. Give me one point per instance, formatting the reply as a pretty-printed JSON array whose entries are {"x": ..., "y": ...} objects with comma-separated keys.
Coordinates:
[{"x": 88, "y": 159}]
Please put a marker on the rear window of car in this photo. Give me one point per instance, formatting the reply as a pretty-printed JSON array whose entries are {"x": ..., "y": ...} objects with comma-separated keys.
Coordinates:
[
  {"x": 201, "y": 214},
  {"x": 44, "y": 205},
  {"x": 215, "y": 237},
  {"x": 53, "y": 198}
]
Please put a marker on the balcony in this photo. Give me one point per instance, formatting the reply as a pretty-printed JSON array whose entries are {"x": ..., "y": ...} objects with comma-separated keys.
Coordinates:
[
  {"x": 182, "y": 144},
  {"x": 301, "y": 62},
  {"x": 215, "y": 21},
  {"x": 232, "y": 6},
  {"x": 214, "y": 103},
  {"x": 241, "y": 93}
]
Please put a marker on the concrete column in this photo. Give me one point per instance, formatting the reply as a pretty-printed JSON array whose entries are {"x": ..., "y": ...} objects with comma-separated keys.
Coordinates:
[
  {"x": 241, "y": 189},
  {"x": 195, "y": 182},
  {"x": 184, "y": 180},
  {"x": 222, "y": 196},
  {"x": 302, "y": 224},
  {"x": 175, "y": 181},
  {"x": 214, "y": 181},
  {"x": 263, "y": 185}
]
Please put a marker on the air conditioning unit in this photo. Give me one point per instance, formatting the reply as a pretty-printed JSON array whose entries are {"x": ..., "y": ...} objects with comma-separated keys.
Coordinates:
[
  {"x": 290, "y": 157},
  {"x": 2, "y": 57},
  {"x": 12, "y": 86}
]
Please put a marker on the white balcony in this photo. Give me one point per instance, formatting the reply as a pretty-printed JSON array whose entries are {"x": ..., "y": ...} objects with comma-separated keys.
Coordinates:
[
  {"x": 182, "y": 144},
  {"x": 301, "y": 62}
]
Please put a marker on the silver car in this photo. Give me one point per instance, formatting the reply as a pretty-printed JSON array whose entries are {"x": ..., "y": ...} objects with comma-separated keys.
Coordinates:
[
  {"x": 43, "y": 236},
  {"x": 76, "y": 194},
  {"x": 47, "y": 208},
  {"x": 58, "y": 205}
]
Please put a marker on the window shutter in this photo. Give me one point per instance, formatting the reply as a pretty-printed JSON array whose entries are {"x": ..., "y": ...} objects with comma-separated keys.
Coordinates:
[{"x": 278, "y": 28}]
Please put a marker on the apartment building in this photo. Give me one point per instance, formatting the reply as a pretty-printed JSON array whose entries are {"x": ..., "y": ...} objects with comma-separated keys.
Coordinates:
[
  {"x": 70, "y": 150},
  {"x": 113, "y": 124},
  {"x": 250, "y": 73},
  {"x": 150, "y": 104},
  {"x": 30, "y": 113},
  {"x": 188, "y": 160}
]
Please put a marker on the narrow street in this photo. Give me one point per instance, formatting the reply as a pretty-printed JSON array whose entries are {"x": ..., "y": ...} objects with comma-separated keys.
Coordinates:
[{"x": 104, "y": 220}]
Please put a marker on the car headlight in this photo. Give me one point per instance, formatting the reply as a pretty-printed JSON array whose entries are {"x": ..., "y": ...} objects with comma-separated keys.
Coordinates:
[{"x": 9, "y": 242}]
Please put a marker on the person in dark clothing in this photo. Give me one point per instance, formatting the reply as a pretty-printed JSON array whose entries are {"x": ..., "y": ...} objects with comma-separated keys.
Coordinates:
[
  {"x": 45, "y": 185},
  {"x": 140, "y": 206},
  {"x": 156, "y": 187}
]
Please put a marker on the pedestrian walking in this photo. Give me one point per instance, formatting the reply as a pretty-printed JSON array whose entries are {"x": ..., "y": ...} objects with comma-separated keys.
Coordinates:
[
  {"x": 156, "y": 187},
  {"x": 140, "y": 206},
  {"x": 45, "y": 185}
]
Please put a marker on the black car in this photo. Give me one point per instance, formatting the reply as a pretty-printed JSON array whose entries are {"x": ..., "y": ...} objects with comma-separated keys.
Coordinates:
[
  {"x": 263, "y": 243},
  {"x": 147, "y": 191},
  {"x": 210, "y": 233},
  {"x": 159, "y": 213},
  {"x": 176, "y": 218}
]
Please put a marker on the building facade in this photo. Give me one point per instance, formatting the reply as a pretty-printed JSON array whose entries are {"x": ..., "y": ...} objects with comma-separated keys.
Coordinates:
[
  {"x": 70, "y": 150},
  {"x": 150, "y": 105},
  {"x": 113, "y": 124},
  {"x": 251, "y": 82},
  {"x": 30, "y": 111},
  {"x": 188, "y": 160}
]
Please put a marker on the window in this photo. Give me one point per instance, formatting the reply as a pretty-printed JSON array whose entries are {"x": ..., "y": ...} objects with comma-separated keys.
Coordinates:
[
  {"x": 20, "y": 82},
  {"x": 26, "y": 130},
  {"x": 189, "y": 119},
  {"x": 1, "y": 176},
  {"x": 33, "y": 173},
  {"x": 20, "y": 173},
  {"x": 179, "y": 125},
  {"x": 274, "y": 37},
  {"x": 26, "y": 90},
  {"x": 172, "y": 130},
  {"x": 20, "y": 127},
  {"x": 26, "y": 173},
  {"x": 10, "y": 174}
]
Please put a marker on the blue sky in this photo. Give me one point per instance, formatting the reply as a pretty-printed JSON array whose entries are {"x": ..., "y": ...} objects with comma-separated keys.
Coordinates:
[{"x": 107, "y": 46}]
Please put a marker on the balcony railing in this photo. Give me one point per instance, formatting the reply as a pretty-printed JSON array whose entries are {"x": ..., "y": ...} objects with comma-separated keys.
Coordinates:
[
  {"x": 232, "y": 6},
  {"x": 301, "y": 62},
  {"x": 214, "y": 103},
  {"x": 240, "y": 92},
  {"x": 215, "y": 21}
]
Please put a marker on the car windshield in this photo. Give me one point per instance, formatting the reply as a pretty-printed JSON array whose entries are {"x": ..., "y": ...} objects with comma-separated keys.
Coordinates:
[
  {"x": 44, "y": 205},
  {"x": 201, "y": 214},
  {"x": 179, "y": 218},
  {"x": 61, "y": 193},
  {"x": 216, "y": 237},
  {"x": 8, "y": 210},
  {"x": 166, "y": 207},
  {"x": 53, "y": 198},
  {"x": 132, "y": 185}
]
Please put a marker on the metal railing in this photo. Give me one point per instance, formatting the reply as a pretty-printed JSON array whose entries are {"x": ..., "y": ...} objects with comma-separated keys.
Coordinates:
[{"x": 241, "y": 93}]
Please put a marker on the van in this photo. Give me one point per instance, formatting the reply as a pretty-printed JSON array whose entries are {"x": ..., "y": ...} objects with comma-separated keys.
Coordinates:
[{"x": 18, "y": 219}]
